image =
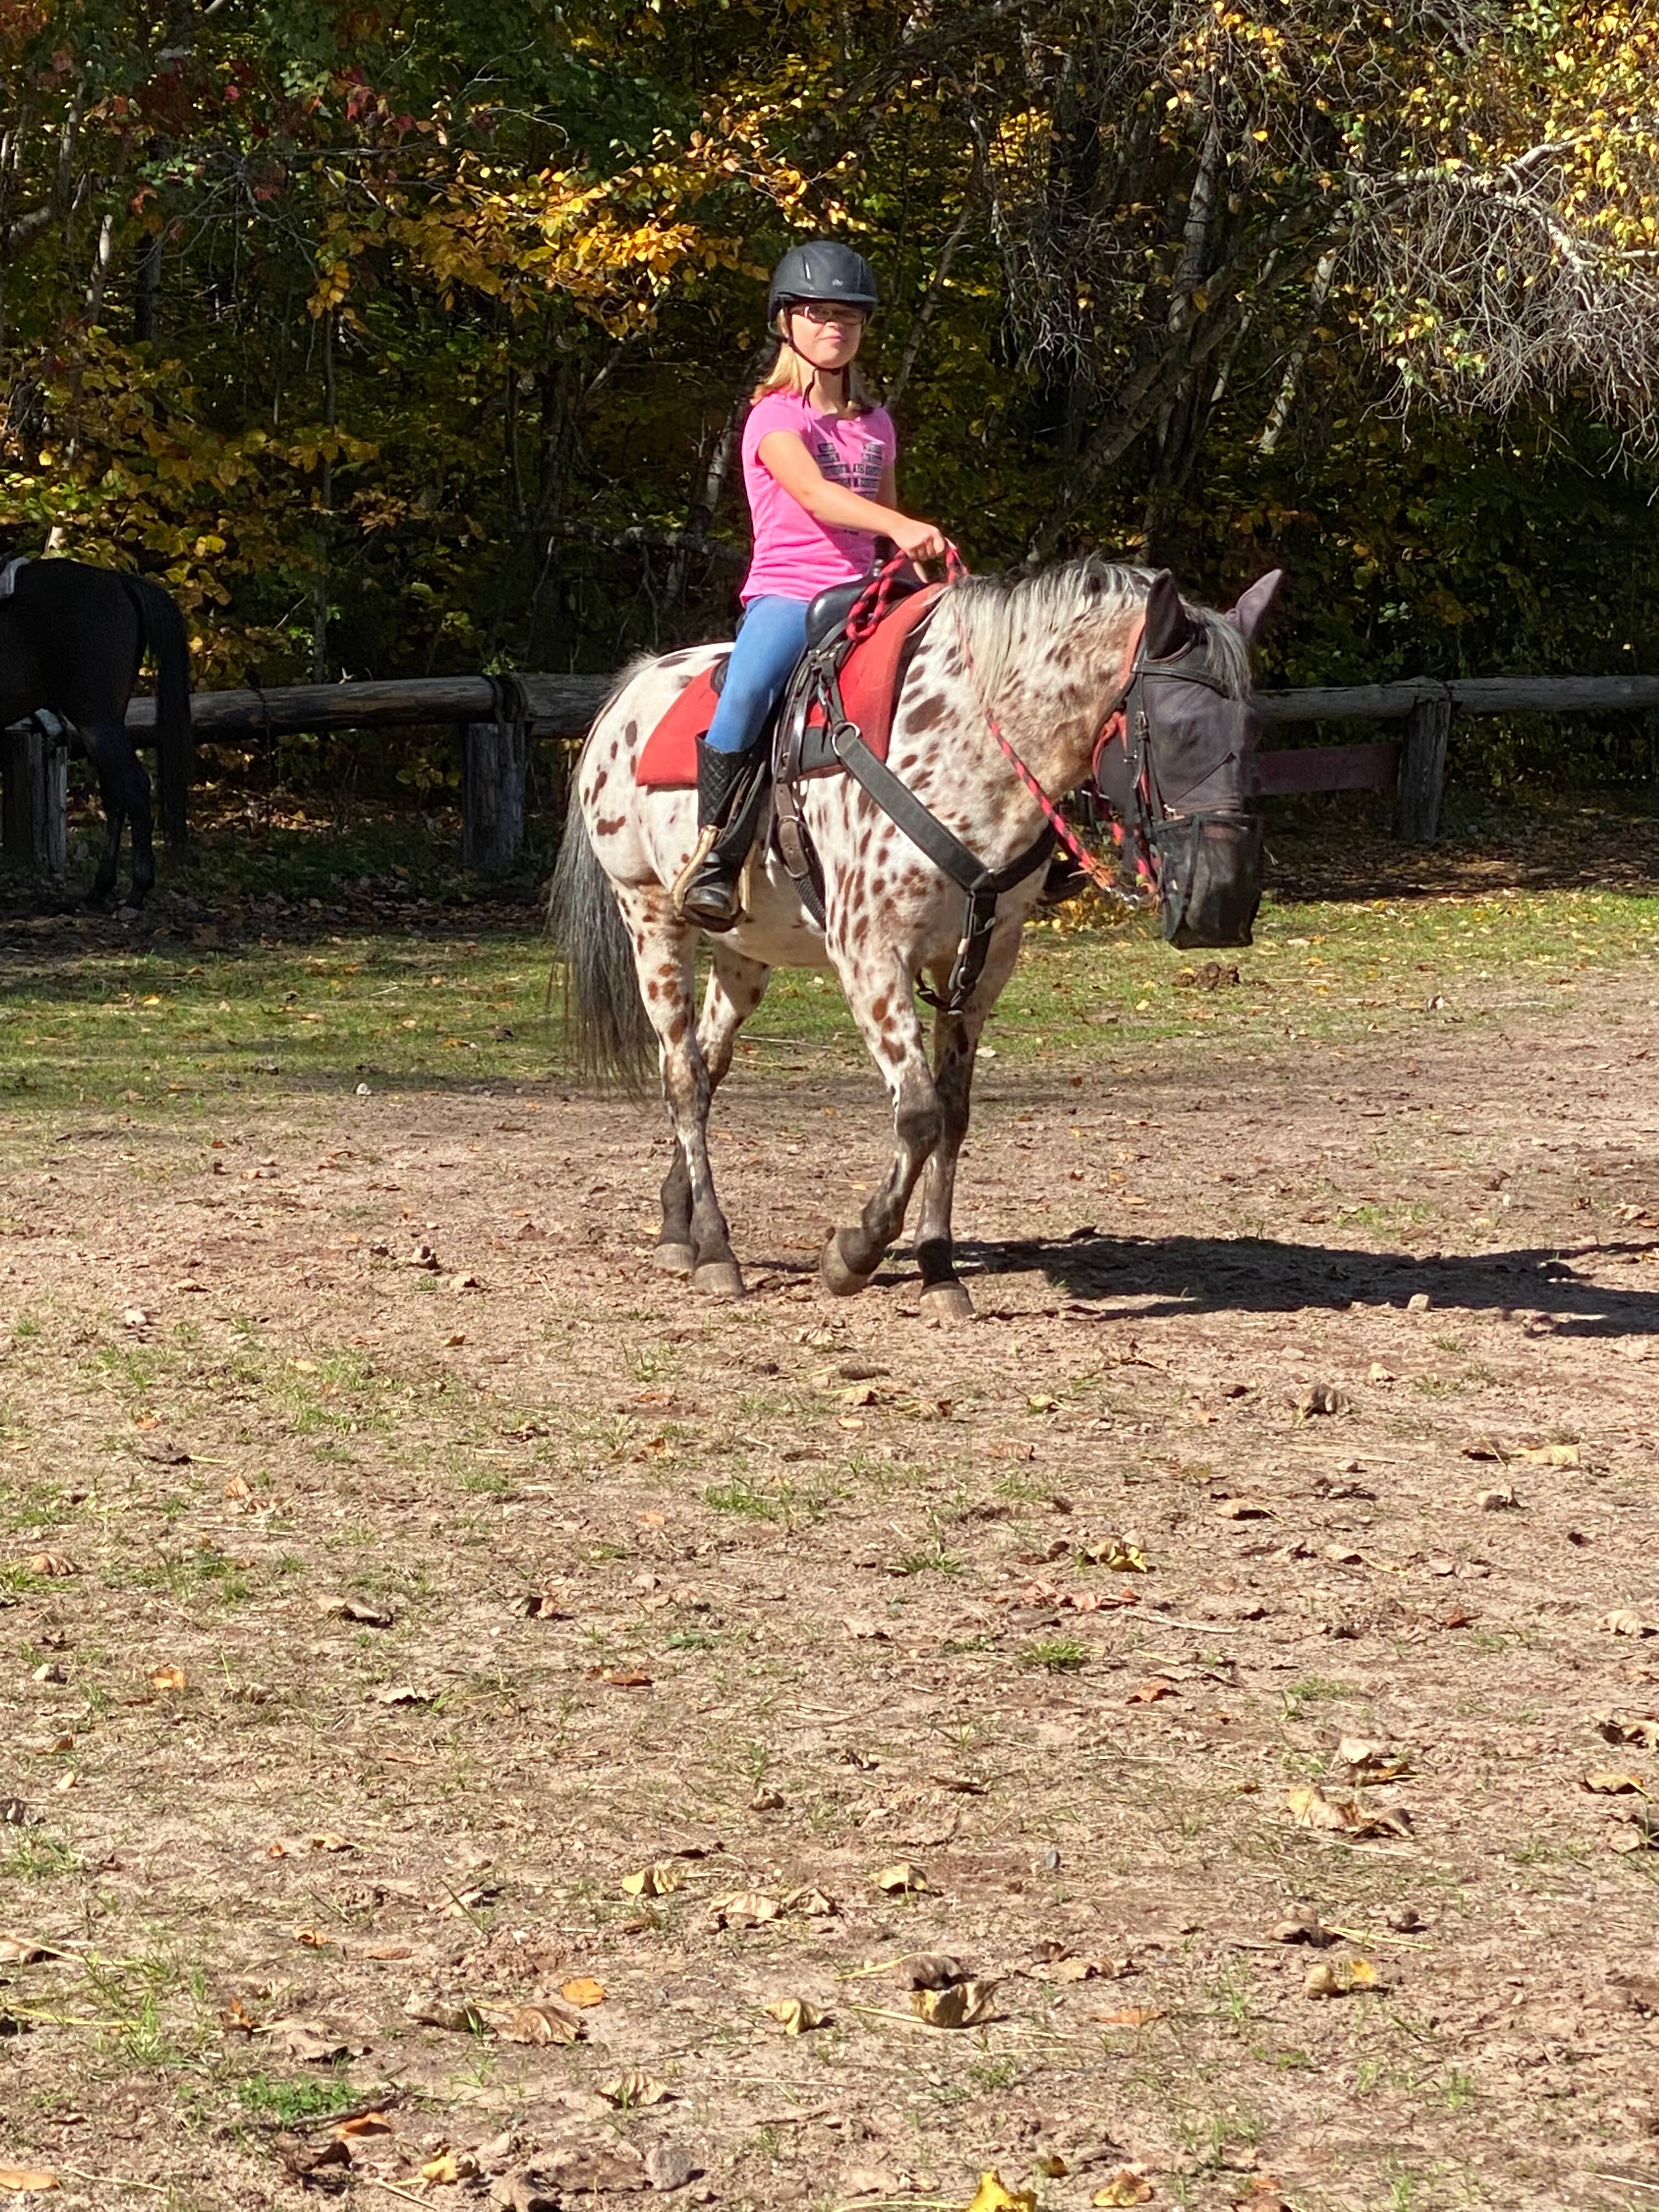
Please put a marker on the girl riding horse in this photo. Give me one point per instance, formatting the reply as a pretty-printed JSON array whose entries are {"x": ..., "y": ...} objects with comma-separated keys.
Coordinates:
[{"x": 818, "y": 465}]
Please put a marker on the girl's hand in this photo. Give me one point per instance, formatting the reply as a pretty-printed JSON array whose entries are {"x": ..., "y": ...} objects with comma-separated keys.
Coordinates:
[{"x": 923, "y": 541}]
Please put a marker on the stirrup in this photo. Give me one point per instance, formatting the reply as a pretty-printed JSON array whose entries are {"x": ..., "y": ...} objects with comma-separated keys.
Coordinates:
[{"x": 708, "y": 889}]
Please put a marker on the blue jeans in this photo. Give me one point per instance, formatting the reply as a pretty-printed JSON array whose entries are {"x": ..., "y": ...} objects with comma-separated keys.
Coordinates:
[{"x": 770, "y": 640}]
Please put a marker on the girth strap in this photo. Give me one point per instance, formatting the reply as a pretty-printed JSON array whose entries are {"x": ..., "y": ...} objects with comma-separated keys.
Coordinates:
[{"x": 983, "y": 886}]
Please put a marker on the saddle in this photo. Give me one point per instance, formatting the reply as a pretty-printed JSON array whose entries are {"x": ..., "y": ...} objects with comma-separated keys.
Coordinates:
[{"x": 870, "y": 670}]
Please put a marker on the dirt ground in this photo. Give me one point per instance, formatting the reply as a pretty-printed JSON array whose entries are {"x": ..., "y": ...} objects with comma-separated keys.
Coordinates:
[{"x": 414, "y": 1605}]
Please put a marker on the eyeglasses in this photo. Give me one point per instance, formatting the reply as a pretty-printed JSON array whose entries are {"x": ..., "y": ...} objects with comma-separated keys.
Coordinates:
[{"x": 830, "y": 311}]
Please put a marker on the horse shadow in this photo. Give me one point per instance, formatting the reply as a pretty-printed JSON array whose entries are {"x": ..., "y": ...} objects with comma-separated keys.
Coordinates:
[{"x": 1167, "y": 1276}]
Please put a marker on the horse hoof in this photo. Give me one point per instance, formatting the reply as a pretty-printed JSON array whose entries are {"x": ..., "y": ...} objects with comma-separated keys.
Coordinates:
[
  {"x": 674, "y": 1259},
  {"x": 947, "y": 1302},
  {"x": 718, "y": 1279},
  {"x": 839, "y": 1280}
]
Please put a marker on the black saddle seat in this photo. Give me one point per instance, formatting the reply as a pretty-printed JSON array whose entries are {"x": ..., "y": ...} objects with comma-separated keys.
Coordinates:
[{"x": 828, "y": 613}]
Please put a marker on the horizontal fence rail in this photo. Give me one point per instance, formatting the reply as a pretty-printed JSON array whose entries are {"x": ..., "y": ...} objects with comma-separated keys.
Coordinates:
[{"x": 497, "y": 715}]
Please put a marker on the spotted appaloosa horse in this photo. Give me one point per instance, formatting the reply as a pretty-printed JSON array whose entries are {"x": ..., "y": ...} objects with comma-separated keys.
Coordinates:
[{"x": 1048, "y": 655}]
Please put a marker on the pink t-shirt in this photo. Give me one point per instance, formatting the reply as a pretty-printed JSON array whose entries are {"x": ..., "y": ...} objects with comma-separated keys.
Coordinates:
[{"x": 795, "y": 557}]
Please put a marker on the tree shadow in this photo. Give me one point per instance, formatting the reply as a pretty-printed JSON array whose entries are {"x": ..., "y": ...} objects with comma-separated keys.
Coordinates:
[{"x": 1172, "y": 1275}]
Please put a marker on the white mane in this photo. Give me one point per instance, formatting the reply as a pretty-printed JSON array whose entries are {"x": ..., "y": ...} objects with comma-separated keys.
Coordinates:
[{"x": 1010, "y": 618}]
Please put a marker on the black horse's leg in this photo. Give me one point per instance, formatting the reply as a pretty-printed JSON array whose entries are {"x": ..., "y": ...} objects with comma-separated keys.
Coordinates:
[{"x": 123, "y": 785}]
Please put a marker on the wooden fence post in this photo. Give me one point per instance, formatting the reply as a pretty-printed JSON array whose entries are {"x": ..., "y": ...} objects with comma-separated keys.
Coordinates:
[
  {"x": 493, "y": 760},
  {"x": 35, "y": 770},
  {"x": 1422, "y": 784}
]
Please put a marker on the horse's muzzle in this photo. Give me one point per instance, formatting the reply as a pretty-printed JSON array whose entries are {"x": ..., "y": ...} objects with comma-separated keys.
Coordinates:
[{"x": 1209, "y": 878}]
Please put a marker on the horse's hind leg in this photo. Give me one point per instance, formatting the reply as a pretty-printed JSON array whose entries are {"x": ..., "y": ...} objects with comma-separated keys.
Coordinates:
[
  {"x": 123, "y": 785},
  {"x": 665, "y": 954},
  {"x": 736, "y": 987}
]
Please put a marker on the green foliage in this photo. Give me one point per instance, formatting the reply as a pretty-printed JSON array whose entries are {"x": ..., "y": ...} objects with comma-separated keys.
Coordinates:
[{"x": 408, "y": 341}]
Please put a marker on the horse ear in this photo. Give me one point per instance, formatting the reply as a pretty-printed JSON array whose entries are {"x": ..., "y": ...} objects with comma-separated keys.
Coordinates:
[
  {"x": 1253, "y": 604},
  {"x": 1168, "y": 627}
]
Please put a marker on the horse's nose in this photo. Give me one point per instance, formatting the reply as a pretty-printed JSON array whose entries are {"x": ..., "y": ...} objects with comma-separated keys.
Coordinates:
[{"x": 1210, "y": 880}]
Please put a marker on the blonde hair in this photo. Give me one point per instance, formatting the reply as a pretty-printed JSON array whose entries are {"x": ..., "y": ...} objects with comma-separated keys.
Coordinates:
[{"x": 789, "y": 373}]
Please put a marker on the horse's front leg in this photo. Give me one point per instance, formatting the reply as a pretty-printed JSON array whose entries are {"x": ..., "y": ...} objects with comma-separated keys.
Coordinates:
[
  {"x": 956, "y": 1042},
  {"x": 736, "y": 987},
  {"x": 886, "y": 1015},
  {"x": 665, "y": 955}
]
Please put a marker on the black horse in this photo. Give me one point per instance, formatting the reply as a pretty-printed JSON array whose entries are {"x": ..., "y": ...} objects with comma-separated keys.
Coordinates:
[{"x": 71, "y": 641}]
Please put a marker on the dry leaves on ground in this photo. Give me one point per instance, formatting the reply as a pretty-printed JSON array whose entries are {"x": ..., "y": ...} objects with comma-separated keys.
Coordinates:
[
  {"x": 549, "y": 2021},
  {"x": 660, "y": 1879},
  {"x": 1336, "y": 1977},
  {"x": 962, "y": 2004},
  {"x": 1344, "y": 1816},
  {"x": 1127, "y": 2185},
  {"x": 796, "y": 2016},
  {"x": 903, "y": 1879},
  {"x": 993, "y": 2195}
]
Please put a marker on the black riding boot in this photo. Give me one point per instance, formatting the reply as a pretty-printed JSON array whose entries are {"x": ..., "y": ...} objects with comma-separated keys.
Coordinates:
[{"x": 706, "y": 892}]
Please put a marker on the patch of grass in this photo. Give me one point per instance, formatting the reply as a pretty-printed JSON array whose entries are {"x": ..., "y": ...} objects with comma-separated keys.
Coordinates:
[
  {"x": 1053, "y": 1655},
  {"x": 933, "y": 1560},
  {"x": 37, "y": 1857},
  {"x": 265, "y": 2098},
  {"x": 740, "y": 1496}
]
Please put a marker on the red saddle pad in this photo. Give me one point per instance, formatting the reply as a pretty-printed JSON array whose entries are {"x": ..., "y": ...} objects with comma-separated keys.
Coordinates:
[{"x": 869, "y": 682}]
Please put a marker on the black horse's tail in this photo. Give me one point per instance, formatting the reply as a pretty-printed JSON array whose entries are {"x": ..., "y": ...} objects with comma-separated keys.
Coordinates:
[
  {"x": 163, "y": 631},
  {"x": 603, "y": 1013}
]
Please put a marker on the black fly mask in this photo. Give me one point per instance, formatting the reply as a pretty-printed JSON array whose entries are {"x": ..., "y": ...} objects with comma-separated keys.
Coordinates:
[{"x": 1172, "y": 768}]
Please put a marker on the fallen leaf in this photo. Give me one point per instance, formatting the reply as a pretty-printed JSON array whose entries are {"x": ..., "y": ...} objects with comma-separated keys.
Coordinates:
[
  {"x": 745, "y": 1908},
  {"x": 660, "y": 1880},
  {"x": 964, "y": 1785},
  {"x": 1321, "y": 1398},
  {"x": 52, "y": 1566},
  {"x": 963, "y": 2004},
  {"x": 1615, "y": 1784},
  {"x": 1128, "y": 2185},
  {"x": 168, "y": 1679},
  {"x": 1550, "y": 1454},
  {"x": 326, "y": 1840},
  {"x": 1615, "y": 1730},
  {"x": 1088, "y": 1970},
  {"x": 311, "y": 2041},
  {"x": 1119, "y": 1557},
  {"x": 767, "y": 1800},
  {"x": 18, "y": 1951},
  {"x": 582, "y": 1991},
  {"x": 1336, "y": 1977},
  {"x": 795, "y": 2015},
  {"x": 1379, "y": 1373},
  {"x": 931, "y": 1970},
  {"x": 312, "y": 1938},
  {"x": 24, "y": 2177},
  {"x": 432, "y": 2008},
  {"x": 238, "y": 1488},
  {"x": 627, "y": 2091},
  {"x": 1502, "y": 1500},
  {"x": 1149, "y": 1691},
  {"x": 356, "y": 1608},
  {"x": 903, "y": 1878},
  {"x": 450, "y": 2165},
  {"x": 1302, "y": 1926},
  {"x": 546, "y": 2022},
  {"x": 623, "y": 1678},
  {"x": 863, "y": 1630},
  {"x": 1311, "y": 1809},
  {"x": 1622, "y": 1621},
  {"x": 364, "y": 2123},
  {"x": 993, "y": 2195},
  {"x": 811, "y": 1904},
  {"x": 1242, "y": 1509},
  {"x": 402, "y": 1693},
  {"x": 1129, "y": 2016},
  {"x": 1372, "y": 1762}
]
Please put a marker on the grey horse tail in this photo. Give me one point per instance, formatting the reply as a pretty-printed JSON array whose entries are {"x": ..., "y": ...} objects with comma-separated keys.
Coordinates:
[
  {"x": 163, "y": 630},
  {"x": 605, "y": 1018}
]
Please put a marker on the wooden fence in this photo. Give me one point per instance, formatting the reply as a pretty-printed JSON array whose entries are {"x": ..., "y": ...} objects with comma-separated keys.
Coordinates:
[{"x": 496, "y": 717}]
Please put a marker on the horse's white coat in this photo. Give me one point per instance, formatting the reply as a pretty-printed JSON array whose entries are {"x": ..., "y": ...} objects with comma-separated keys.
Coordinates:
[{"x": 1048, "y": 650}]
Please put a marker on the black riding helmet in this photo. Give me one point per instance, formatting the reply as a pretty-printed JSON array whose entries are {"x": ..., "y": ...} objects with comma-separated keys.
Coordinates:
[{"x": 824, "y": 270}]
